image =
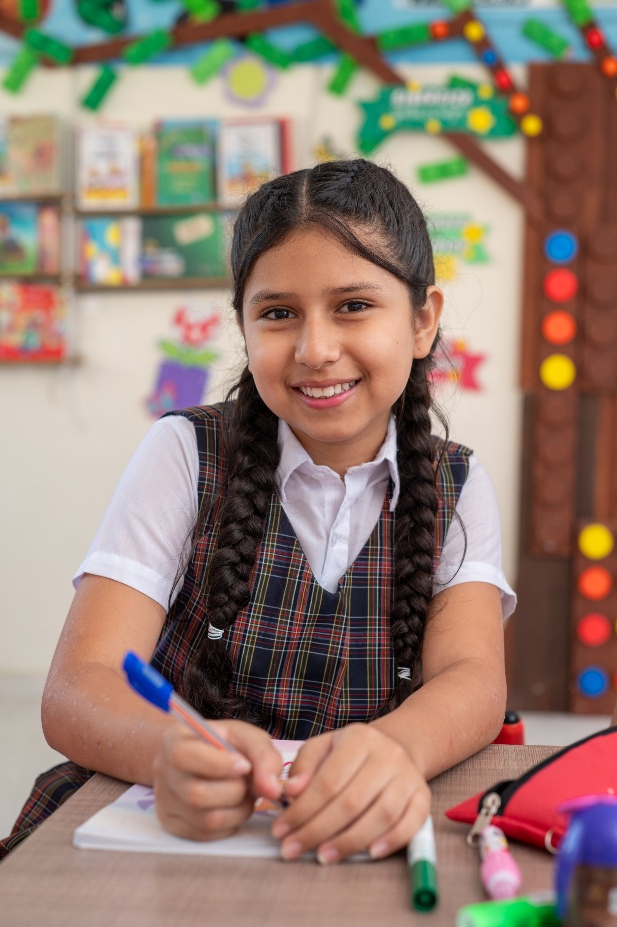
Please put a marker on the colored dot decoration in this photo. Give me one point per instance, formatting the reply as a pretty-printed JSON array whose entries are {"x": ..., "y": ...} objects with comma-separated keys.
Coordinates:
[
  {"x": 503, "y": 81},
  {"x": 557, "y": 371},
  {"x": 561, "y": 246},
  {"x": 387, "y": 122},
  {"x": 531, "y": 125},
  {"x": 558, "y": 327},
  {"x": 489, "y": 57},
  {"x": 473, "y": 30},
  {"x": 519, "y": 103},
  {"x": 596, "y": 542},
  {"x": 593, "y": 682},
  {"x": 433, "y": 126},
  {"x": 560, "y": 285},
  {"x": 595, "y": 583},
  {"x": 439, "y": 30},
  {"x": 594, "y": 37},
  {"x": 594, "y": 629},
  {"x": 608, "y": 66}
]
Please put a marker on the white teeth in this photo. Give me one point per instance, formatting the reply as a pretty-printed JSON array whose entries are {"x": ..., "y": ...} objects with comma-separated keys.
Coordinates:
[{"x": 317, "y": 392}]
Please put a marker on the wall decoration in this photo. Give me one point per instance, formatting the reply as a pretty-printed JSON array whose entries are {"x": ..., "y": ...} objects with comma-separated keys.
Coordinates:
[
  {"x": 182, "y": 377},
  {"x": 456, "y": 237},
  {"x": 326, "y": 150},
  {"x": 32, "y": 324},
  {"x": 248, "y": 81},
  {"x": 455, "y": 362}
]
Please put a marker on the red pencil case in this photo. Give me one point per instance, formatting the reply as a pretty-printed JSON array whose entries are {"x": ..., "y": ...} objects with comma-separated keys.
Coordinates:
[{"x": 524, "y": 808}]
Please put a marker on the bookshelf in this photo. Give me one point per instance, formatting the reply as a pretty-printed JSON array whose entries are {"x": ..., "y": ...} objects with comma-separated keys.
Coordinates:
[
  {"x": 156, "y": 210},
  {"x": 157, "y": 283}
]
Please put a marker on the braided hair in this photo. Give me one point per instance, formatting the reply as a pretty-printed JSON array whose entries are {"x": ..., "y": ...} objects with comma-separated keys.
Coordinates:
[{"x": 375, "y": 216}]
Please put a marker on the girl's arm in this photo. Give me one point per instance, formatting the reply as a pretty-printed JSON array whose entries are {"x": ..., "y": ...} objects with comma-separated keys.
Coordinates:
[
  {"x": 92, "y": 716},
  {"x": 365, "y": 785}
]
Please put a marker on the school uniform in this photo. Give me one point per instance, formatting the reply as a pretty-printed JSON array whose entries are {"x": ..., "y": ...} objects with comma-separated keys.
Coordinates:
[{"x": 311, "y": 649}]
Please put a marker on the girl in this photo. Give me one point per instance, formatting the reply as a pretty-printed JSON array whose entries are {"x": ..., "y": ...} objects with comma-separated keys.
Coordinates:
[{"x": 308, "y": 540}]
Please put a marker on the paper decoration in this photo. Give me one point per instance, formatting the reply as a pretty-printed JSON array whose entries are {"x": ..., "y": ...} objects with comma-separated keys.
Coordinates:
[
  {"x": 456, "y": 237},
  {"x": 248, "y": 80},
  {"x": 456, "y": 363},
  {"x": 434, "y": 109},
  {"x": 182, "y": 377}
]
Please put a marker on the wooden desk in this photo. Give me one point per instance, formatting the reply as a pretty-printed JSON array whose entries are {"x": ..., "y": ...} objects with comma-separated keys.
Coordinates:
[{"x": 47, "y": 883}]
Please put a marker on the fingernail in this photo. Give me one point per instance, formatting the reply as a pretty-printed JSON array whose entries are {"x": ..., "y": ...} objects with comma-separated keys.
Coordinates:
[
  {"x": 327, "y": 855},
  {"x": 280, "y": 829},
  {"x": 377, "y": 850},
  {"x": 291, "y": 849},
  {"x": 242, "y": 766}
]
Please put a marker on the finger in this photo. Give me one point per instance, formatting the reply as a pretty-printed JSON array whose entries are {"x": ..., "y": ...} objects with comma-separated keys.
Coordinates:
[
  {"x": 202, "y": 794},
  {"x": 209, "y": 825},
  {"x": 186, "y": 752},
  {"x": 332, "y": 776},
  {"x": 266, "y": 762},
  {"x": 379, "y": 819},
  {"x": 365, "y": 788},
  {"x": 399, "y": 836},
  {"x": 310, "y": 757}
]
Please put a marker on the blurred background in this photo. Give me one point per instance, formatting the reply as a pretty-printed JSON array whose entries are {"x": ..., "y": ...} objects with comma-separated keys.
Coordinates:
[{"x": 129, "y": 133}]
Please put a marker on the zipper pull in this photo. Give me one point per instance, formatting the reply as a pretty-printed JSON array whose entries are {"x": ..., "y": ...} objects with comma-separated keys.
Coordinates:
[{"x": 491, "y": 804}]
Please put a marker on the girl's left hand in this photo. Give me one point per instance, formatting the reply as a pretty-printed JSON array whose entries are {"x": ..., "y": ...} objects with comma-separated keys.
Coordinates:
[{"x": 353, "y": 789}]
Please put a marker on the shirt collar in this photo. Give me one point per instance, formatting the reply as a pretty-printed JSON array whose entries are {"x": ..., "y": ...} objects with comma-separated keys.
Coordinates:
[{"x": 293, "y": 456}]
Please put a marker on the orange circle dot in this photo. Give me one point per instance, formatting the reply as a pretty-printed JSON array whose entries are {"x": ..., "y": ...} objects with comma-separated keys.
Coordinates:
[
  {"x": 558, "y": 327},
  {"x": 440, "y": 29},
  {"x": 595, "y": 583},
  {"x": 594, "y": 629},
  {"x": 519, "y": 103},
  {"x": 608, "y": 66}
]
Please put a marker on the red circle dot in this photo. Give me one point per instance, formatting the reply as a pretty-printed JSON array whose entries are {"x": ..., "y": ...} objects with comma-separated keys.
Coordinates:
[
  {"x": 608, "y": 66},
  {"x": 595, "y": 583},
  {"x": 519, "y": 103},
  {"x": 503, "y": 80},
  {"x": 560, "y": 285},
  {"x": 439, "y": 29},
  {"x": 594, "y": 37},
  {"x": 594, "y": 629},
  {"x": 558, "y": 327}
]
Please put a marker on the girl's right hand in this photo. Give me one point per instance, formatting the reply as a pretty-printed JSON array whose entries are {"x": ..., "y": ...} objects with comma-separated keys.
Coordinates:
[{"x": 203, "y": 793}]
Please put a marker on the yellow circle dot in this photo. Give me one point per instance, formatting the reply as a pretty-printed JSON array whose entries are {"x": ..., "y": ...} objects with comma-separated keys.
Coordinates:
[
  {"x": 433, "y": 126},
  {"x": 387, "y": 122},
  {"x": 595, "y": 542},
  {"x": 531, "y": 125},
  {"x": 248, "y": 78},
  {"x": 473, "y": 30},
  {"x": 557, "y": 371},
  {"x": 414, "y": 85},
  {"x": 480, "y": 120},
  {"x": 485, "y": 91}
]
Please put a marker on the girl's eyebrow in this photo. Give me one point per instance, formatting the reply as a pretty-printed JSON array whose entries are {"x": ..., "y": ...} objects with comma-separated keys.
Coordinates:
[{"x": 269, "y": 295}]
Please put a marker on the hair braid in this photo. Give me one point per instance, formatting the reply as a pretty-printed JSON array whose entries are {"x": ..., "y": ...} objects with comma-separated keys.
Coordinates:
[
  {"x": 252, "y": 454},
  {"x": 414, "y": 534}
]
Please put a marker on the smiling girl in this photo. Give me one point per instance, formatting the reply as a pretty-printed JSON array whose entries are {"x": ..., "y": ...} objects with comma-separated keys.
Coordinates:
[{"x": 304, "y": 561}]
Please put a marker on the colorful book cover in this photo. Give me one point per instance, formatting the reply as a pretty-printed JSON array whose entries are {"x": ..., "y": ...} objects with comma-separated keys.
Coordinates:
[
  {"x": 49, "y": 240},
  {"x": 187, "y": 246},
  {"x": 18, "y": 238},
  {"x": 185, "y": 162},
  {"x": 5, "y": 175},
  {"x": 101, "y": 254},
  {"x": 32, "y": 323},
  {"x": 249, "y": 154},
  {"x": 108, "y": 168},
  {"x": 34, "y": 146}
]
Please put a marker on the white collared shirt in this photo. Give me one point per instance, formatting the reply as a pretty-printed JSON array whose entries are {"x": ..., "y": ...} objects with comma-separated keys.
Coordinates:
[{"x": 146, "y": 529}]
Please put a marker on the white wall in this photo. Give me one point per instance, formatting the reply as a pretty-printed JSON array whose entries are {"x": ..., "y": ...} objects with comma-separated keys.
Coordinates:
[{"x": 66, "y": 434}]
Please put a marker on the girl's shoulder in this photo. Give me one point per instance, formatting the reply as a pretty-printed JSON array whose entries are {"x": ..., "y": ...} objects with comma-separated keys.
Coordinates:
[
  {"x": 208, "y": 424},
  {"x": 450, "y": 450},
  {"x": 452, "y": 462}
]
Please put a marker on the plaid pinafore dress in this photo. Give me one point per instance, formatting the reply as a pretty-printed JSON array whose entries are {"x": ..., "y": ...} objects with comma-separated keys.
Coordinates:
[{"x": 307, "y": 660}]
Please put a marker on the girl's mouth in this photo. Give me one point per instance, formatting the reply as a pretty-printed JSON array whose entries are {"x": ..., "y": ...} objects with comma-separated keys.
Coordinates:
[{"x": 326, "y": 397}]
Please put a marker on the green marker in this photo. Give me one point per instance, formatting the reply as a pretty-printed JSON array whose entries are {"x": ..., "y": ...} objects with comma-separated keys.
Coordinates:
[
  {"x": 422, "y": 863},
  {"x": 532, "y": 911}
]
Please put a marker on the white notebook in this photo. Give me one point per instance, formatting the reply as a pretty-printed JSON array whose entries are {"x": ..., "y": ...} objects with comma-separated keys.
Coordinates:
[{"x": 130, "y": 824}]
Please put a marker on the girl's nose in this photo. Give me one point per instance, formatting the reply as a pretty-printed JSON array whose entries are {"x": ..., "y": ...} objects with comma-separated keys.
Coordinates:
[{"x": 318, "y": 344}]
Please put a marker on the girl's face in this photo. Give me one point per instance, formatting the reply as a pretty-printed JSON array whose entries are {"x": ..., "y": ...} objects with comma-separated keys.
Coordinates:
[{"x": 331, "y": 338}]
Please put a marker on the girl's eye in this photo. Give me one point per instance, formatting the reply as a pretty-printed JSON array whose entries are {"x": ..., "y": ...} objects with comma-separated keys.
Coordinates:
[
  {"x": 354, "y": 305},
  {"x": 278, "y": 315}
]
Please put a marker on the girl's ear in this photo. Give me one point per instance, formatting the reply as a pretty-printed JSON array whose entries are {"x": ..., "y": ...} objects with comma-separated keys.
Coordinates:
[{"x": 427, "y": 321}]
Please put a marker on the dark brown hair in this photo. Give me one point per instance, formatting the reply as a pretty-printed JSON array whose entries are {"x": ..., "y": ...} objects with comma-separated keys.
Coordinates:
[{"x": 375, "y": 216}]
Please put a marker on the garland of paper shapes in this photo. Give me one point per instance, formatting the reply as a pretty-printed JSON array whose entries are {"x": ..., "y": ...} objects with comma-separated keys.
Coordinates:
[
  {"x": 582, "y": 17},
  {"x": 596, "y": 542}
]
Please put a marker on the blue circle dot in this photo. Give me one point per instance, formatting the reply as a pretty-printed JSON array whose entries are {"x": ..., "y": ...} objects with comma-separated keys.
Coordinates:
[
  {"x": 593, "y": 682},
  {"x": 489, "y": 56},
  {"x": 561, "y": 246}
]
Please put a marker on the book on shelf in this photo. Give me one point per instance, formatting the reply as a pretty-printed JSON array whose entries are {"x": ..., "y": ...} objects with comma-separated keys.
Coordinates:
[
  {"x": 49, "y": 236},
  {"x": 108, "y": 168},
  {"x": 185, "y": 162},
  {"x": 18, "y": 239},
  {"x": 30, "y": 156},
  {"x": 186, "y": 246},
  {"x": 250, "y": 152},
  {"x": 32, "y": 323}
]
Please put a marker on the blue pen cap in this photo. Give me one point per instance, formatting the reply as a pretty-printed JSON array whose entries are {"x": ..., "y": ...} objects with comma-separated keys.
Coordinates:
[{"x": 147, "y": 681}]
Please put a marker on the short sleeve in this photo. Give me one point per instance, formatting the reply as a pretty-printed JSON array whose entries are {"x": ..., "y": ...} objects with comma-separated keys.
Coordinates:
[
  {"x": 478, "y": 511},
  {"x": 146, "y": 531}
]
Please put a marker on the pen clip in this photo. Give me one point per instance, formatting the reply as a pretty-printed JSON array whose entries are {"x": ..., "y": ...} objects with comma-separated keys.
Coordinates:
[{"x": 491, "y": 804}]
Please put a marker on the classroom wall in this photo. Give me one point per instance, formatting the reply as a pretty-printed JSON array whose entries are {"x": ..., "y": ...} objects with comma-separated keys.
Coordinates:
[{"x": 67, "y": 433}]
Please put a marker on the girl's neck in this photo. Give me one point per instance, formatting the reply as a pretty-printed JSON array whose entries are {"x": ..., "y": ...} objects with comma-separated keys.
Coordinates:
[{"x": 340, "y": 456}]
